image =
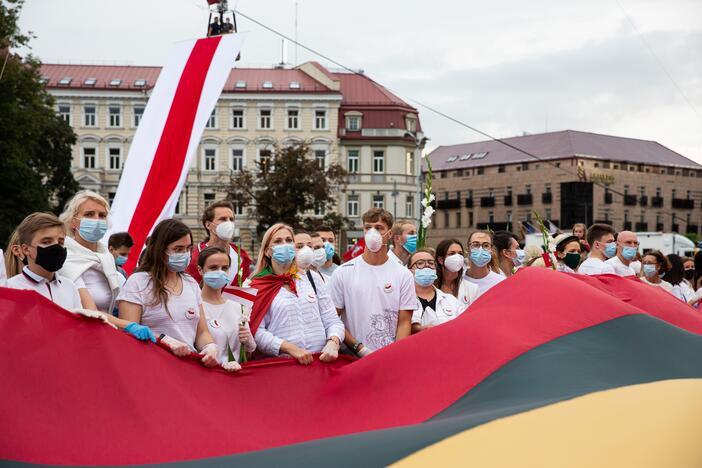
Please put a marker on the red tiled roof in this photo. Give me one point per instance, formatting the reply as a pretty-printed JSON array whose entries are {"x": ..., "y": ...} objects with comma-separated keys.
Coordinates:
[
  {"x": 360, "y": 90},
  {"x": 559, "y": 145}
]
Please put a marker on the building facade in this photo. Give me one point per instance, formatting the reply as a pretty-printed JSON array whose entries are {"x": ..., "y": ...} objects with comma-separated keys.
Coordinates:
[
  {"x": 574, "y": 177},
  {"x": 345, "y": 118}
]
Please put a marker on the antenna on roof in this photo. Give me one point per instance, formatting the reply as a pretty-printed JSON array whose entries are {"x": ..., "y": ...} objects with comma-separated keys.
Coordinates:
[{"x": 283, "y": 54}]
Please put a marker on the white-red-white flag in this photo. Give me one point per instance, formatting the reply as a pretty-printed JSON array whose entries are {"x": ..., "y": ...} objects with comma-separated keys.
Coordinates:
[
  {"x": 243, "y": 296},
  {"x": 169, "y": 133}
]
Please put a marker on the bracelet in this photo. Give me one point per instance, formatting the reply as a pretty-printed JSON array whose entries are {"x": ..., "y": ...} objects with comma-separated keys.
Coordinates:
[{"x": 357, "y": 346}]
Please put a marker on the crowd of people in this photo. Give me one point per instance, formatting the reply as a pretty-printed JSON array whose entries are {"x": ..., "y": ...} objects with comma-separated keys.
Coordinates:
[{"x": 308, "y": 302}]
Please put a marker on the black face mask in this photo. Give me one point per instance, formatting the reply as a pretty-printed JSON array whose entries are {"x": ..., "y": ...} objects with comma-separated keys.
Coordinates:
[
  {"x": 25, "y": 261},
  {"x": 51, "y": 258},
  {"x": 689, "y": 273}
]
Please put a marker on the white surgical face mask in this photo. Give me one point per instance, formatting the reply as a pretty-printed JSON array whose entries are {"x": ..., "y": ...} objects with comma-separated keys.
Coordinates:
[
  {"x": 320, "y": 257},
  {"x": 374, "y": 241},
  {"x": 225, "y": 230},
  {"x": 454, "y": 262},
  {"x": 304, "y": 258}
]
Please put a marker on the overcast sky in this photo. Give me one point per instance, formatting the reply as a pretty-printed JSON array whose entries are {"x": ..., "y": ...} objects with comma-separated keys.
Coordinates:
[{"x": 506, "y": 67}]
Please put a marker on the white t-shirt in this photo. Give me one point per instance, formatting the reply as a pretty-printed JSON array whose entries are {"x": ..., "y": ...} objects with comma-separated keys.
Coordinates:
[
  {"x": 467, "y": 293},
  {"x": 487, "y": 282},
  {"x": 447, "y": 308},
  {"x": 619, "y": 267},
  {"x": 179, "y": 321},
  {"x": 372, "y": 297},
  {"x": 663, "y": 284},
  {"x": 395, "y": 258},
  {"x": 223, "y": 321},
  {"x": 3, "y": 272},
  {"x": 683, "y": 291},
  {"x": 98, "y": 287},
  {"x": 595, "y": 266},
  {"x": 60, "y": 290}
]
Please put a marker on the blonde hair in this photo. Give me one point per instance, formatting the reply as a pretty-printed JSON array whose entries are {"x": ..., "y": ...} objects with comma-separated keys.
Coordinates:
[
  {"x": 73, "y": 206},
  {"x": 262, "y": 262},
  {"x": 13, "y": 264}
]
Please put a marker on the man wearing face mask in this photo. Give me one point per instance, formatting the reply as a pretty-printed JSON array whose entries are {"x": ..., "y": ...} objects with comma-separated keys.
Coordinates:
[
  {"x": 481, "y": 247},
  {"x": 404, "y": 241},
  {"x": 319, "y": 257},
  {"x": 305, "y": 257},
  {"x": 567, "y": 252},
  {"x": 373, "y": 294},
  {"x": 602, "y": 247},
  {"x": 218, "y": 221},
  {"x": 627, "y": 248},
  {"x": 326, "y": 234}
]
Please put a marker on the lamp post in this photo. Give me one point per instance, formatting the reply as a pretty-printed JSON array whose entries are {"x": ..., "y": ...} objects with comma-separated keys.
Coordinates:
[{"x": 418, "y": 144}]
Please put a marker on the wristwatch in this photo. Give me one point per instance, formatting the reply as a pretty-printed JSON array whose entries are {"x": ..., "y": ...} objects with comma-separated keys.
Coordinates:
[{"x": 357, "y": 346}]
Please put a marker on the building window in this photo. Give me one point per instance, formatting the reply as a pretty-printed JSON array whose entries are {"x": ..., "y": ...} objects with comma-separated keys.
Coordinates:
[
  {"x": 500, "y": 169},
  {"x": 527, "y": 188},
  {"x": 114, "y": 156},
  {"x": 265, "y": 157},
  {"x": 138, "y": 114},
  {"x": 90, "y": 115},
  {"x": 115, "y": 116},
  {"x": 352, "y": 161},
  {"x": 321, "y": 157},
  {"x": 89, "y": 157},
  {"x": 509, "y": 190},
  {"x": 411, "y": 124},
  {"x": 378, "y": 201},
  {"x": 378, "y": 162},
  {"x": 111, "y": 197},
  {"x": 210, "y": 159},
  {"x": 458, "y": 219},
  {"x": 238, "y": 207},
  {"x": 409, "y": 206},
  {"x": 470, "y": 219},
  {"x": 320, "y": 119},
  {"x": 353, "y": 124},
  {"x": 293, "y": 119},
  {"x": 212, "y": 120},
  {"x": 658, "y": 191},
  {"x": 64, "y": 111},
  {"x": 180, "y": 206},
  {"x": 481, "y": 171},
  {"x": 491, "y": 217},
  {"x": 238, "y": 118},
  {"x": 547, "y": 188},
  {"x": 447, "y": 219},
  {"x": 352, "y": 206},
  {"x": 525, "y": 166},
  {"x": 409, "y": 163},
  {"x": 237, "y": 159},
  {"x": 548, "y": 214},
  {"x": 209, "y": 198},
  {"x": 319, "y": 209},
  {"x": 264, "y": 118}
]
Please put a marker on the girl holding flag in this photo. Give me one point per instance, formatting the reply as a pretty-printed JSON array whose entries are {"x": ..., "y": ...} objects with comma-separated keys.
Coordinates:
[{"x": 289, "y": 317}]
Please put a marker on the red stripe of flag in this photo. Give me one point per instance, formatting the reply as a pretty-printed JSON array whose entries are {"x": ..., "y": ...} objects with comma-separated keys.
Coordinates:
[{"x": 167, "y": 165}]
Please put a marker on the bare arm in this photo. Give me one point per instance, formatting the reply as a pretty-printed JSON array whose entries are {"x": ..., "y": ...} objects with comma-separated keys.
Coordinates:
[
  {"x": 86, "y": 299},
  {"x": 404, "y": 324},
  {"x": 203, "y": 336}
]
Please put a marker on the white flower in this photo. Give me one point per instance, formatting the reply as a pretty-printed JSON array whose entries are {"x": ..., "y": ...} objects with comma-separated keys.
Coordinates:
[
  {"x": 426, "y": 201},
  {"x": 426, "y": 222}
]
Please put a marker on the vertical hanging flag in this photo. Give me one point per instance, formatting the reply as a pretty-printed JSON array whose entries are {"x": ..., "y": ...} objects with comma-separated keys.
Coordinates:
[{"x": 169, "y": 133}]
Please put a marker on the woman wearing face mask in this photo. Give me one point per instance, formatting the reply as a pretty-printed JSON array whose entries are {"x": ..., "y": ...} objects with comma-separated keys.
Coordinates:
[
  {"x": 567, "y": 253},
  {"x": 319, "y": 254},
  {"x": 509, "y": 255},
  {"x": 481, "y": 259},
  {"x": 225, "y": 319},
  {"x": 676, "y": 277},
  {"x": 434, "y": 306},
  {"x": 290, "y": 317},
  {"x": 654, "y": 266},
  {"x": 449, "y": 271},
  {"x": 89, "y": 264},
  {"x": 163, "y": 297}
]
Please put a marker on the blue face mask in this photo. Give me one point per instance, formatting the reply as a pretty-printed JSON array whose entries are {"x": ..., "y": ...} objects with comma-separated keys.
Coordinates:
[
  {"x": 611, "y": 250},
  {"x": 121, "y": 260},
  {"x": 178, "y": 262},
  {"x": 518, "y": 260},
  {"x": 92, "y": 230},
  {"x": 411, "y": 243},
  {"x": 480, "y": 257},
  {"x": 329, "y": 249},
  {"x": 424, "y": 276},
  {"x": 629, "y": 253},
  {"x": 650, "y": 270},
  {"x": 216, "y": 279},
  {"x": 283, "y": 254}
]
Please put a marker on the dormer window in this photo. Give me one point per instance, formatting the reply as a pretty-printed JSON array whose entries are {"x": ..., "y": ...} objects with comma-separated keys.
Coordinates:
[
  {"x": 354, "y": 121},
  {"x": 295, "y": 85},
  {"x": 411, "y": 123},
  {"x": 115, "y": 82},
  {"x": 240, "y": 84},
  {"x": 140, "y": 83},
  {"x": 267, "y": 85},
  {"x": 66, "y": 80},
  {"x": 90, "y": 82}
]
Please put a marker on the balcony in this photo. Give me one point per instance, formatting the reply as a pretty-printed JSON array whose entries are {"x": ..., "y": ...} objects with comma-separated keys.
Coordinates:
[
  {"x": 508, "y": 200},
  {"x": 487, "y": 202},
  {"x": 525, "y": 199},
  {"x": 547, "y": 198},
  {"x": 629, "y": 200},
  {"x": 659, "y": 227},
  {"x": 494, "y": 226},
  {"x": 693, "y": 229},
  {"x": 448, "y": 204},
  {"x": 683, "y": 204},
  {"x": 642, "y": 226},
  {"x": 603, "y": 221},
  {"x": 656, "y": 202},
  {"x": 643, "y": 200},
  {"x": 627, "y": 225},
  {"x": 469, "y": 203}
]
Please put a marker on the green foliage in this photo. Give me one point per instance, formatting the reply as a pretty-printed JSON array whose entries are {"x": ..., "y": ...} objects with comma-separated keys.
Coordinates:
[
  {"x": 287, "y": 188},
  {"x": 694, "y": 237},
  {"x": 35, "y": 143}
]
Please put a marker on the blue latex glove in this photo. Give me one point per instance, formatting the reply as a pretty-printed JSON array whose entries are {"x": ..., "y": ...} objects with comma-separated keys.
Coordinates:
[{"x": 140, "y": 332}]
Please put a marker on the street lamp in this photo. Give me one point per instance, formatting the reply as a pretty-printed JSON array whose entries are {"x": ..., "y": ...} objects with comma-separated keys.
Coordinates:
[{"x": 418, "y": 143}]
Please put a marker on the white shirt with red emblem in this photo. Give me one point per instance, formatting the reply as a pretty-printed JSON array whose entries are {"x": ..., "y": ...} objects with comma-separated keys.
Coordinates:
[
  {"x": 60, "y": 290},
  {"x": 447, "y": 308},
  {"x": 372, "y": 296},
  {"x": 223, "y": 321},
  {"x": 179, "y": 321}
]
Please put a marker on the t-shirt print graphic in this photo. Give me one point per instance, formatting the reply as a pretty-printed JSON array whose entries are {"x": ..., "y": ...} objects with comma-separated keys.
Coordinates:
[{"x": 383, "y": 327}]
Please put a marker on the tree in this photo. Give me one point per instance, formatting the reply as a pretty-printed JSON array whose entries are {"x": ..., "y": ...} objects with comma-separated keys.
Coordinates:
[
  {"x": 35, "y": 143},
  {"x": 286, "y": 186}
]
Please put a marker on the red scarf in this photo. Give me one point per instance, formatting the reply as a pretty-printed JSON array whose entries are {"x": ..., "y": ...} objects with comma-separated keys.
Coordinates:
[{"x": 268, "y": 286}]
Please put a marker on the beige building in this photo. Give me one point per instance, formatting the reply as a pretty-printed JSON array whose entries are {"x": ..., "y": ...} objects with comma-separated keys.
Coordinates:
[
  {"x": 578, "y": 177},
  {"x": 346, "y": 118}
]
